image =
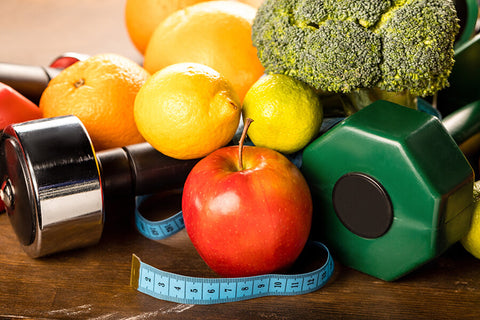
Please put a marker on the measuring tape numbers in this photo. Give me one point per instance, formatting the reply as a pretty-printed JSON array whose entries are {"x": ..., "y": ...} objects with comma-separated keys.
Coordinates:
[
  {"x": 157, "y": 230},
  {"x": 197, "y": 290}
]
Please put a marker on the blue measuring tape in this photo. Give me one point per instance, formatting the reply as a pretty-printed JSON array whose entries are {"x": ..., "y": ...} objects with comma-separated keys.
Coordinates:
[
  {"x": 157, "y": 230},
  {"x": 196, "y": 290}
]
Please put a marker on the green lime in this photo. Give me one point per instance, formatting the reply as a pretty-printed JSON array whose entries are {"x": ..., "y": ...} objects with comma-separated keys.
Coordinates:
[{"x": 287, "y": 113}]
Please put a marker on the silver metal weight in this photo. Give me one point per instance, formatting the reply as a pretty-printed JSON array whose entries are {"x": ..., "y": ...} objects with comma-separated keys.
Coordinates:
[
  {"x": 56, "y": 189},
  {"x": 51, "y": 185}
]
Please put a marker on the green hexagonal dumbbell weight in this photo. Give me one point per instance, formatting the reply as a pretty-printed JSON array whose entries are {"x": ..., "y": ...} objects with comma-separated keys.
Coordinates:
[{"x": 391, "y": 189}]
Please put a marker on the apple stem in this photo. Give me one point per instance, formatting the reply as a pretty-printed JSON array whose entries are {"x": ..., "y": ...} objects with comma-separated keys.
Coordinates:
[{"x": 242, "y": 140}]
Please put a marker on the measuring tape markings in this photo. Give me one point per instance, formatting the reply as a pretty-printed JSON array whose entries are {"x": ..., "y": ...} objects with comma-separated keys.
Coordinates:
[
  {"x": 195, "y": 290},
  {"x": 157, "y": 230}
]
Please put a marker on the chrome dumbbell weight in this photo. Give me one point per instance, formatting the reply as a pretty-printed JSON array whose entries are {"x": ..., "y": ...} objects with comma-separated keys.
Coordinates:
[{"x": 55, "y": 186}]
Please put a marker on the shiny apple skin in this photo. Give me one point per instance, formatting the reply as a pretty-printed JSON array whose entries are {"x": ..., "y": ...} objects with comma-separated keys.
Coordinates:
[{"x": 247, "y": 222}]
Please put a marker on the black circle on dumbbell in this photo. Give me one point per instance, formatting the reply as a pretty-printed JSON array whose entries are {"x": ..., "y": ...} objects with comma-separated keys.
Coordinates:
[{"x": 363, "y": 205}]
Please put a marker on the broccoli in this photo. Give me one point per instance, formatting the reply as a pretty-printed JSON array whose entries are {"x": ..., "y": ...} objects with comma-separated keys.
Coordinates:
[{"x": 345, "y": 45}]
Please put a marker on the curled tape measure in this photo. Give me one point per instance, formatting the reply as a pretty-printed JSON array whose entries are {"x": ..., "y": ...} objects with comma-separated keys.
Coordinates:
[
  {"x": 157, "y": 230},
  {"x": 195, "y": 290}
]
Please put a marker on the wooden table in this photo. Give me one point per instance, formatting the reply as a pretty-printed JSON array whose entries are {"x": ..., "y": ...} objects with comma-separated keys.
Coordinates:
[{"x": 93, "y": 283}]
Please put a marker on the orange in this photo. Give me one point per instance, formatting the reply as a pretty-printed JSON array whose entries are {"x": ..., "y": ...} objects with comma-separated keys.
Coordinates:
[
  {"x": 213, "y": 33},
  {"x": 143, "y": 16},
  {"x": 101, "y": 92},
  {"x": 187, "y": 110}
]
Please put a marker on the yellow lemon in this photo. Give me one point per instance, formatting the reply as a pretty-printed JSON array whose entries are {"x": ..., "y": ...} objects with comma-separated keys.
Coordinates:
[
  {"x": 471, "y": 242},
  {"x": 287, "y": 113},
  {"x": 187, "y": 110}
]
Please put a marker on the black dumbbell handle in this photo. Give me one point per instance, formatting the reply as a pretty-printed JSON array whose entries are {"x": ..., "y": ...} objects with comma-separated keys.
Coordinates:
[
  {"x": 30, "y": 81},
  {"x": 140, "y": 169}
]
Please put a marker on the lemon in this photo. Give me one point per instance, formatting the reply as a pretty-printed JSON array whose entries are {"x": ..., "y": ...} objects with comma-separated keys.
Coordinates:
[
  {"x": 471, "y": 241},
  {"x": 286, "y": 113},
  {"x": 187, "y": 110}
]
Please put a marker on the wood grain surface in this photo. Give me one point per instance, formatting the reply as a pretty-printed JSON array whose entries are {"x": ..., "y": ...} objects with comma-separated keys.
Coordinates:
[{"x": 93, "y": 283}]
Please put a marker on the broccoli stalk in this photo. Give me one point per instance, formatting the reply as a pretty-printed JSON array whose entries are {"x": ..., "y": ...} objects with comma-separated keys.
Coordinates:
[{"x": 387, "y": 49}]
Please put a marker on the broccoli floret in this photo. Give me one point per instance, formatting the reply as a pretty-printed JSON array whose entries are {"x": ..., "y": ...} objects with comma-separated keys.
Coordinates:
[
  {"x": 344, "y": 45},
  {"x": 418, "y": 46},
  {"x": 366, "y": 13},
  {"x": 356, "y": 64},
  {"x": 306, "y": 13}
]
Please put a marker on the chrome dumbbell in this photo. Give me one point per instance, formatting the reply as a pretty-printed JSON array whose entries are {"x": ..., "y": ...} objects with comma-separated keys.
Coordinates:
[{"x": 55, "y": 187}]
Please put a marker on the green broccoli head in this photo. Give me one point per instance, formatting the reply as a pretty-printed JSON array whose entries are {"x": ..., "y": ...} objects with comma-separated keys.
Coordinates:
[{"x": 343, "y": 45}]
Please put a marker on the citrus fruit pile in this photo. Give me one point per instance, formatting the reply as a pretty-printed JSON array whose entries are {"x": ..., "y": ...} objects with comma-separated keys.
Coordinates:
[
  {"x": 199, "y": 62},
  {"x": 200, "y": 70}
]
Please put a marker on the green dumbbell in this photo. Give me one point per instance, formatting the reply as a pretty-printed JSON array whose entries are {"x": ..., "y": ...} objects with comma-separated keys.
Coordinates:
[{"x": 391, "y": 189}]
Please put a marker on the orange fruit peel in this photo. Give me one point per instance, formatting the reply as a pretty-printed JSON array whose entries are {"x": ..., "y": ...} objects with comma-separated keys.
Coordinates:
[
  {"x": 101, "y": 92},
  {"x": 213, "y": 33},
  {"x": 143, "y": 16}
]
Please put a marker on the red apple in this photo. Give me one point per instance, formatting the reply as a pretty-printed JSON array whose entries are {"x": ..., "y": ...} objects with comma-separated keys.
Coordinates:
[
  {"x": 247, "y": 218},
  {"x": 67, "y": 59}
]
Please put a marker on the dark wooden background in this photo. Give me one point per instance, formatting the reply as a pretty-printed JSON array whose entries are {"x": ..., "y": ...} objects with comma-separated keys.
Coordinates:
[{"x": 93, "y": 283}]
